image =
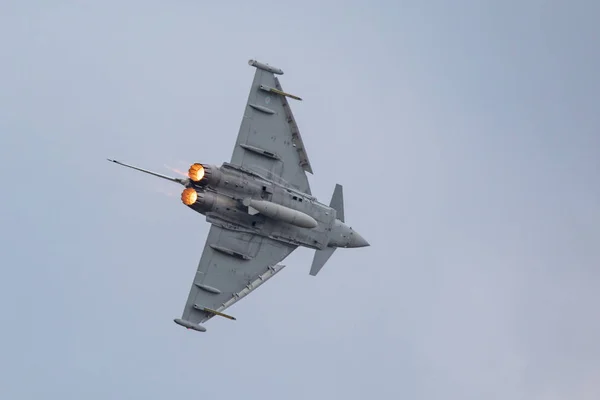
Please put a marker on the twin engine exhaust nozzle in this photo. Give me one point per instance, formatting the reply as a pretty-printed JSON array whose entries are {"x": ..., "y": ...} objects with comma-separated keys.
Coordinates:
[
  {"x": 189, "y": 196},
  {"x": 196, "y": 172},
  {"x": 204, "y": 174}
]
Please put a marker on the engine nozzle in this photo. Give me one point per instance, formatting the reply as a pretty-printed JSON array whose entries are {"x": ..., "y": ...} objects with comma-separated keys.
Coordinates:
[
  {"x": 196, "y": 172},
  {"x": 189, "y": 196},
  {"x": 204, "y": 174}
]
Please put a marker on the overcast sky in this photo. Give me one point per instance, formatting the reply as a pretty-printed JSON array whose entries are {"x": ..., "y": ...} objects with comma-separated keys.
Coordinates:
[{"x": 466, "y": 135}]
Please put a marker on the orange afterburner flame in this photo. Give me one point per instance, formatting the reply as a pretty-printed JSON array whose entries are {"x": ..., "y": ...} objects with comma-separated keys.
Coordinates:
[
  {"x": 189, "y": 196},
  {"x": 196, "y": 172}
]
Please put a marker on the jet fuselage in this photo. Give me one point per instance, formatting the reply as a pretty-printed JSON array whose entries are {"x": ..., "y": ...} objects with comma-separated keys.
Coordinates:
[{"x": 234, "y": 198}]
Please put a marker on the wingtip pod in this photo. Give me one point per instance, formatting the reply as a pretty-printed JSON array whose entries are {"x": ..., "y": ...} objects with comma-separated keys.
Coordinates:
[
  {"x": 189, "y": 325},
  {"x": 265, "y": 67}
]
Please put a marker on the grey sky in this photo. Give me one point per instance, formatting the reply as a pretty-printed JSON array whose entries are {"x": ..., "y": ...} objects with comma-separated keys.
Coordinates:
[{"x": 467, "y": 137}]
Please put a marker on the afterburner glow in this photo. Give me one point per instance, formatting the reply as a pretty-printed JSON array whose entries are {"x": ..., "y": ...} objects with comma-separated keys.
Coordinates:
[
  {"x": 196, "y": 172},
  {"x": 189, "y": 196}
]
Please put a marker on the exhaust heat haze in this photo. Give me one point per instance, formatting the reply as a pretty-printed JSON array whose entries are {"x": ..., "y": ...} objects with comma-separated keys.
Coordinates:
[
  {"x": 196, "y": 172},
  {"x": 189, "y": 196},
  {"x": 178, "y": 172}
]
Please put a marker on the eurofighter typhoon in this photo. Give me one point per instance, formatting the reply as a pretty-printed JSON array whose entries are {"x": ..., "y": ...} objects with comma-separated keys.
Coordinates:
[{"x": 259, "y": 205}]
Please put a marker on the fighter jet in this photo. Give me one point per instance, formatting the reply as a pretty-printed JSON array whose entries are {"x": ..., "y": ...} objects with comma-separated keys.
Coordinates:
[{"x": 259, "y": 205}]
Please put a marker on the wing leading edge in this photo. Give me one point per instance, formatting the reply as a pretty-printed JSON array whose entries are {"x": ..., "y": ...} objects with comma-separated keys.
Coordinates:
[
  {"x": 232, "y": 265},
  {"x": 268, "y": 140}
]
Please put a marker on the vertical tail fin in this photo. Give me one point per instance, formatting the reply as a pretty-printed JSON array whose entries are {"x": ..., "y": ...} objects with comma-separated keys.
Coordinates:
[
  {"x": 321, "y": 256},
  {"x": 337, "y": 201}
]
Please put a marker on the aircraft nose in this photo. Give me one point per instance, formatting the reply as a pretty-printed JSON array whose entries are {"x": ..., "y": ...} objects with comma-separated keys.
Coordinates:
[{"x": 357, "y": 241}]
